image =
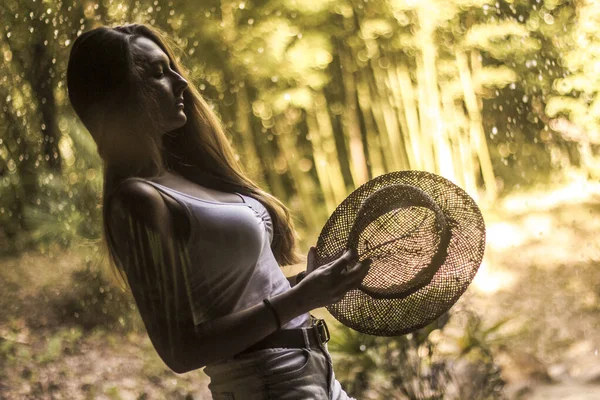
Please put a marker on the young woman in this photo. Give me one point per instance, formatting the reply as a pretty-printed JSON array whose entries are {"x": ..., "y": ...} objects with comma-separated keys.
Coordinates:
[{"x": 199, "y": 243}]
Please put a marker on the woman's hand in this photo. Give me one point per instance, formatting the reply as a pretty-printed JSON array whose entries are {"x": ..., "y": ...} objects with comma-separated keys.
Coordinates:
[{"x": 328, "y": 283}]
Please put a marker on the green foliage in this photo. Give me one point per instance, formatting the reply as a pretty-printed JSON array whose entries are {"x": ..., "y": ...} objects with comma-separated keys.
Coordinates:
[
  {"x": 12, "y": 343},
  {"x": 61, "y": 342},
  {"x": 94, "y": 301},
  {"x": 416, "y": 366},
  {"x": 575, "y": 104},
  {"x": 478, "y": 337},
  {"x": 302, "y": 88}
]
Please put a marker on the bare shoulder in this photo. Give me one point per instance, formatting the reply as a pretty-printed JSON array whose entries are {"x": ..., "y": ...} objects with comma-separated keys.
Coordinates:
[{"x": 142, "y": 202}]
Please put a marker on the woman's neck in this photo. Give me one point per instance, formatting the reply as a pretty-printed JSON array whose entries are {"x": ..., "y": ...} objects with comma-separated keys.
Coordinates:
[{"x": 124, "y": 171}]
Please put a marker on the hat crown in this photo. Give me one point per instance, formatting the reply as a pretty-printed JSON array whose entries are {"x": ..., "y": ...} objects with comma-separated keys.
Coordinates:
[{"x": 380, "y": 226}]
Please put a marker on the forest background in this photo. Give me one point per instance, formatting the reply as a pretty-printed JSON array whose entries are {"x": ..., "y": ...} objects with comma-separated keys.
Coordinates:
[{"x": 319, "y": 96}]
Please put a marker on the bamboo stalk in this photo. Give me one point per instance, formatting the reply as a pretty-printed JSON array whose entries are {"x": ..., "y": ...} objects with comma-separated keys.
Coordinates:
[
  {"x": 376, "y": 156},
  {"x": 289, "y": 151},
  {"x": 407, "y": 96},
  {"x": 404, "y": 141},
  {"x": 334, "y": 171},
  {"x": 244, "y": 128},
  {"x": 454, "y": 132},
  {"x": 265, "y": 153},
  {"x": 398, "y": 156},
  {"x": 476, "y": 126},
  {"x": 468, "y": 157},
  {"x": 380, "y": 124},
  {"x": 358, "y": 162},
  {"x": 440, "y": 148},
  {"x": 320, "y": 161},
  {"x": 425, "y": 144}
]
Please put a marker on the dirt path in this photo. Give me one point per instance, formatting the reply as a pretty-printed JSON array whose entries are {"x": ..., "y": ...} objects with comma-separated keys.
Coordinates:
[
  {"x": 100, "y": 365},
  {"x": 46, "y": 353},
  {"x": 566, "y": 391},
  {"x": 542, "y": 270}
]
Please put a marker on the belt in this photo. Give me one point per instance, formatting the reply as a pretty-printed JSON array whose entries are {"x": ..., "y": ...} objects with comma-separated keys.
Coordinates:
[{"x": 294, "y": 338}]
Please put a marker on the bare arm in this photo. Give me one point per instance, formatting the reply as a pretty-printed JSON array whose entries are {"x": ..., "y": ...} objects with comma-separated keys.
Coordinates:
[
  {"x": 166, "y": 308},
  {"x": 235, "y": 332},
  {"x": 292, "y": 280}
]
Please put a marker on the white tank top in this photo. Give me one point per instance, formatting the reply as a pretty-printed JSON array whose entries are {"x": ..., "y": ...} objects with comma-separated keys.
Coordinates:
[{"x": 232, "y": 266}]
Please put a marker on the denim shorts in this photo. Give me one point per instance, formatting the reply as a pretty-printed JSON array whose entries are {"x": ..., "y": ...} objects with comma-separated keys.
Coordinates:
[{"x": 276, "y": 373}]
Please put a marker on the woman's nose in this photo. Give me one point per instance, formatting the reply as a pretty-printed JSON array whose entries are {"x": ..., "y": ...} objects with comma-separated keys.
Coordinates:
[{"x": 181, "y": 84}]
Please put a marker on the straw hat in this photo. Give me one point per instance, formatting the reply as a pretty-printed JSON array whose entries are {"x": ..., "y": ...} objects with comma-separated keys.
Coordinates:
[{"x": 426, "y": 238}]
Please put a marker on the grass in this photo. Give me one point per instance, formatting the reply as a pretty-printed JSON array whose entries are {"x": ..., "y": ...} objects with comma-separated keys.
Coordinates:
[{"x": 70, "y": 332}]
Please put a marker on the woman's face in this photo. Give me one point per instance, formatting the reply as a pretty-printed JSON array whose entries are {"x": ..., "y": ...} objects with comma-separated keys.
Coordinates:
[{"x": 167, "y": 84}]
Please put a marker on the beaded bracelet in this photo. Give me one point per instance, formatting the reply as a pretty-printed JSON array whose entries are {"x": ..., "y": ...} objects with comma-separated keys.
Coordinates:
[{"x": 270, "y": 306}]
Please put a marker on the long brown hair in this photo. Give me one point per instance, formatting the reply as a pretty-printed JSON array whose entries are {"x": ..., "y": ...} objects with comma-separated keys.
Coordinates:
[{"x": 104, "y": 85}]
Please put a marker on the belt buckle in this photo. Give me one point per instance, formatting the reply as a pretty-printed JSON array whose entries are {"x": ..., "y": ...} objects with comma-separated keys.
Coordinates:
[{"x": 322, "y": 331}]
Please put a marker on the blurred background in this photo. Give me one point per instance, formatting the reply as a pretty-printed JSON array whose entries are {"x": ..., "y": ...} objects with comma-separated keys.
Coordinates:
[{"x": 318, "y": 96}]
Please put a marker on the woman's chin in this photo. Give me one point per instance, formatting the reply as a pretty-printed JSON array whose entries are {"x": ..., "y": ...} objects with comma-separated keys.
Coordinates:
[
  {"x": 175, "y": 123},
  {"x": 183, "y": 118},
  {"x": 179, "y": 122}
]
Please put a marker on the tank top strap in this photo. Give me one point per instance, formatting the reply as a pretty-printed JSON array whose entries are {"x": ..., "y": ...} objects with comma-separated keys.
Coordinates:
[
  {"x": 131, "y": 178},
  {"x": 161, "y": 188},
  {"x": 179, "y": 199},
  {"x": 182, "y": 203}
]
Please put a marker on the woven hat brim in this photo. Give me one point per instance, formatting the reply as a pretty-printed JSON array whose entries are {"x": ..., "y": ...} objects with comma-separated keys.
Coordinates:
[{"x": 391, "y": 317}]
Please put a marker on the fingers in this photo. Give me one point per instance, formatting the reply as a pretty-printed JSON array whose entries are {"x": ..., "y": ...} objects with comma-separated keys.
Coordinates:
[
  {"x": 355, "y": 275},
  {"x": 364, "y": 270},
  {"x": 360, "y": 268},
  {"x": 352, "y": 269},
  {"x": 346, "y": 259},
  {"x": 334, "y": 279},
  {"x": 310, "y": 260}
]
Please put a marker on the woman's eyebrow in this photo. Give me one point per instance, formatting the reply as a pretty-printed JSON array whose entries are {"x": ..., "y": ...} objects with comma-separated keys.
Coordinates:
[{"x": 160, "y": 60}]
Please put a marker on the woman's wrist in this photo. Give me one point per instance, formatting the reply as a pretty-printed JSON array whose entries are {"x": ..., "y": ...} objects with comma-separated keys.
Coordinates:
[
  {"x": 290, "y": 304},
  {"x": 296, "y": 279},
  {"x": 268, "y": 304},
  {"x": 299, "y": 277}
]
